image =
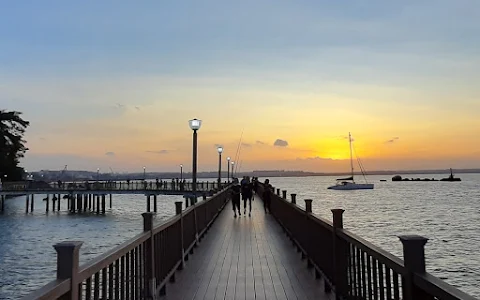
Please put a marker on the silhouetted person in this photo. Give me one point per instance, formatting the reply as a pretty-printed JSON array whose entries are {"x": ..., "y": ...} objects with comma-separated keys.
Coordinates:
[
  {"x": 235, "y": 194},
  {"x": 247, "y": 194},
  {"x": 267, "y": 195}
]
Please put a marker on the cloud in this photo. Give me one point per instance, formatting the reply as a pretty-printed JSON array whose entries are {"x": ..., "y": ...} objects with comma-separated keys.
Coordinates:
[
  {"x": 137, "y": 107},
  {"x": 163, "y": 151},
  {"x": 42, "y": 138},
  {"x": 280, "y": 143},
  {"x": 246, "y": 145},
  {"x": 259, "y": 143},
  {"x": 391, "y": 141},
  {"x": 110, "y": 153}
]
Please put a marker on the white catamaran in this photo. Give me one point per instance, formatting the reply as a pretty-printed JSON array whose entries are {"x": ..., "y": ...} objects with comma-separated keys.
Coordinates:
[{"x": 349, "y": 183}]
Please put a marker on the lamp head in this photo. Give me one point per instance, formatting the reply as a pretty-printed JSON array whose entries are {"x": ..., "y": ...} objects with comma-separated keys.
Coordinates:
[
  {"x": 181, "y": 166},
  {"x": 220, "y": 149},
  {"x": 195, "y": 124},
  {"x": 228, "y": 158}
]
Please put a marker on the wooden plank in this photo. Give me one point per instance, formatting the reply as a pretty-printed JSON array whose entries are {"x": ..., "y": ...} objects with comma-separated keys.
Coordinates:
[{"x": 246, "y": 258}]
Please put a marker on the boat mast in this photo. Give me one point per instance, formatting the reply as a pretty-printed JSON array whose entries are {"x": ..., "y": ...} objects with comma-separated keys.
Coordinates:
[{"x": 351, "y": 157}]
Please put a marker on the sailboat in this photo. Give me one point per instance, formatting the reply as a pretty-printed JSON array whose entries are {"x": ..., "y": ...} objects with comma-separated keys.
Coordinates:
[{"x": 349, "y": 182}]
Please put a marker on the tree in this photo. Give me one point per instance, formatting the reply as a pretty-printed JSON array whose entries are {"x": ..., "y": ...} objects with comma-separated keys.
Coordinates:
[{"x": 12, "y": 144}]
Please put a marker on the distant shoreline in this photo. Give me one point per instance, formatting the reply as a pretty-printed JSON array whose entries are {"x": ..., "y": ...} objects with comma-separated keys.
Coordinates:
[{"x": 87, "y": 175}]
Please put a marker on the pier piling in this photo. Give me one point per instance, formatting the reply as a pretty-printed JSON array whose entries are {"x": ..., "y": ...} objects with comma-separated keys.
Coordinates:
[
  {"x": 103, "y": 203},
  {"x": 98, "y": 204},
  {"x": 154, "y": 203},
  {"x": 148, "y": 203},
  {"x": 47, "y": 204},
  {"x": 27, "y": 204}
]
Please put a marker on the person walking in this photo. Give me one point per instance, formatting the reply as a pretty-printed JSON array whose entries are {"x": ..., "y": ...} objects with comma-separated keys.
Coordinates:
[
  {"x": 247, "y": 194},
  {"x": 235, "y": 195},
  {"x": 267, "y": 195}
]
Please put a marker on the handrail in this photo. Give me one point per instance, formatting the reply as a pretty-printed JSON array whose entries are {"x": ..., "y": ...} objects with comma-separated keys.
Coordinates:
[
  {"x": 139, "y": 267},
  {"x": 353, "y": 267},
  {"x": 32, "y": 186}
]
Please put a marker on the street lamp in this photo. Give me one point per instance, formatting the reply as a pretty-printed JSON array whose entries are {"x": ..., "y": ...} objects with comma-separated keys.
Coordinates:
[
  {"x": 195, "y": 126},
  {"x": 228, "y": 169},
  {"x": 220, "y": 150},
  {"x": 233, "y": 166},
  {"x": 181, "y": 172},
  {"x": 98, "y": 172},
  {"x": 144, "y": 177}
]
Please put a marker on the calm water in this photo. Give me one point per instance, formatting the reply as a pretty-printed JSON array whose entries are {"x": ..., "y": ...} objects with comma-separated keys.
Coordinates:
[{"x": 448, "y": 213}]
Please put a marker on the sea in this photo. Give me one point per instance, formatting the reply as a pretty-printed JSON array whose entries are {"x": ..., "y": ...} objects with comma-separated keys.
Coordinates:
[{"x": 447, "y": 213}]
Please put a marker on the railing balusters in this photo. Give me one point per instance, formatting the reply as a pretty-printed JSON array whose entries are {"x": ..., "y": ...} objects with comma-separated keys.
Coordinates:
[
  {"x": 396, "y": 286},
  {"x": 137, "y": 273},
  {"x": 356, "y": 285},
  {"x": 364, "y": 277},
  {"x": 104, "y": 283},
  {"x": 369, "y": 277},
  {"x": 388, "y": 279},
  {"x": 117, "y": 279},
  {"x": 130, "y": 275},
  {"x": 122, "y": 278},
  {"x": 381, "y": 278},
  {"x": 127, "y": 275},
  {"x": 88, "y": 291},
  {"x": 359, "y": 271},
  {"x": 375, "y": 278},
  {"x": 111, "y": 278},
  {"x": 96, "y": 286}
]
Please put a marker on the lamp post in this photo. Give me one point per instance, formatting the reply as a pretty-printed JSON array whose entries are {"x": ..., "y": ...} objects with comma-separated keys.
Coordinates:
[
  {"x": 228, "y": 169},
  {"x": 98, "y": 173},
  {"x": 144, "y": 177},
  {"x": 181, "y": 172},
  {"x": 195, "y": 126},
  {"x": 220, "y": 150},
  {"x": 233, "y": 166}
]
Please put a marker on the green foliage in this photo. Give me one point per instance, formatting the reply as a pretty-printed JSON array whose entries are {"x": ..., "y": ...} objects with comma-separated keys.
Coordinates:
[{"x": 12, "y": 144}]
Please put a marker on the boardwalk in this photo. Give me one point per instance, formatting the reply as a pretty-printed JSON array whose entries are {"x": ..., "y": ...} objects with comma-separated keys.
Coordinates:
[{"x": 246, "y": 258}]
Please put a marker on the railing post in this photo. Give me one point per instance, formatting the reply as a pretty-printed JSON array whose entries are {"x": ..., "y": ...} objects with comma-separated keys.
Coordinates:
[
  {"x": 294, "y": 198},
  {"x": 284, "y": 194},
  {"x": 414, "y": 260},
  {"x": 278, "y": 192},
  {"x": 178, "y": 207},
  {"x": 308, "y": 205},
  {"x": 149, "y": 256},
  {"x": 178, "y": 211},
  {"x": 340, "y": 256},
  {"x": 67, "y": 265}
]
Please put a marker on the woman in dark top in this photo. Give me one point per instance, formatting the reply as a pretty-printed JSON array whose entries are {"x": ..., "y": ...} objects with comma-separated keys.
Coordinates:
[
  {"x": 267, "y": 195},
  {"x": 235, "y": 194}
]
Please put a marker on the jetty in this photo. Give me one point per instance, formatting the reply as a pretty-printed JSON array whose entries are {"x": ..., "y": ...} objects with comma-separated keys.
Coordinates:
[
  {"x": 203, "y": 252},
  {"x": 83, "y": 197}
]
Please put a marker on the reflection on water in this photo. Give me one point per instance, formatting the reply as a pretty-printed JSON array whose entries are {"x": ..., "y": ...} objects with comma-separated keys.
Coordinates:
[{"x": 445, "y": 212}]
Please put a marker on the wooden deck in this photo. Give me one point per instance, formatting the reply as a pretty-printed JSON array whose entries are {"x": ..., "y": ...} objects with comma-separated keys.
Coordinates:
[{"x": 246, "y": 258}]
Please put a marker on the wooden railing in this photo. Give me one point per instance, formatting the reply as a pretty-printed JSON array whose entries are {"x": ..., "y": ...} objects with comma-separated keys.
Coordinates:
[
  {"x": 353, "y": 267},
  {"x": 203, "y": 186},
  {"x": 140, "y": 267}
]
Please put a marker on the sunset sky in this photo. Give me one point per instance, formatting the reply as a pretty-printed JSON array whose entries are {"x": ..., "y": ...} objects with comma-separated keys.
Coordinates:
[{"x": 114, "y": 83}]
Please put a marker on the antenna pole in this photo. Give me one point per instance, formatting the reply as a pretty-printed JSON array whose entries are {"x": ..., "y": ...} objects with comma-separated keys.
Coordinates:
[{"x": 351, "y": 157}]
